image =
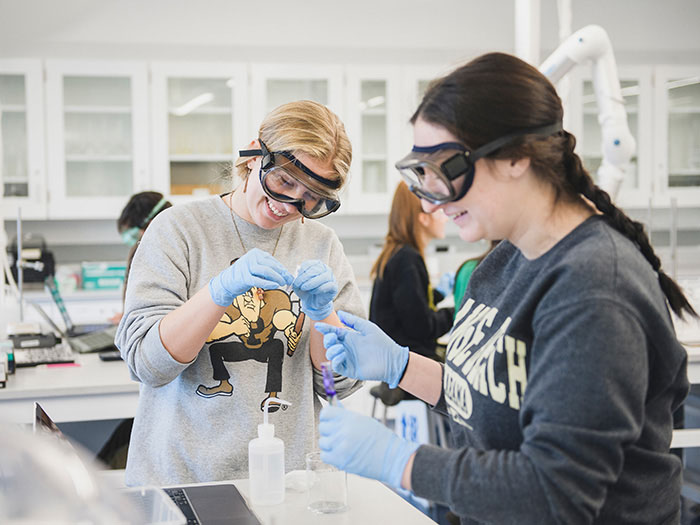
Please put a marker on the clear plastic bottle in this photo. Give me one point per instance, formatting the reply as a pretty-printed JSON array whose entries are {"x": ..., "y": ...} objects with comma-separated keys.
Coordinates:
[{"x": 266, "y": 463}]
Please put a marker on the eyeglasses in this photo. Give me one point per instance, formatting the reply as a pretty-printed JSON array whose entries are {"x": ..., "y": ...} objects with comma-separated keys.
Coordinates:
[
  {"x": 285, "y": 178},
  {"x": 431, "y": 172}
]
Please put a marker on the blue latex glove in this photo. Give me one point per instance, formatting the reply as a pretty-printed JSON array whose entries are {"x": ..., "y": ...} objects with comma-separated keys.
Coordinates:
[
  {"x": 365, "y": 352},
  {"x": 317, "y": 289},
  {"x": 256, "y": 268},
  {"x": 362, "y": 445},
  {"x": 446, "y": 284}
]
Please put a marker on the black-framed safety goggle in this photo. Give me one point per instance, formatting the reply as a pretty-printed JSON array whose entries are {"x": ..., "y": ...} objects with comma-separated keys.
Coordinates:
[
  {"x": 431, "y": 171},
  {"x": 285, "y": 178}
]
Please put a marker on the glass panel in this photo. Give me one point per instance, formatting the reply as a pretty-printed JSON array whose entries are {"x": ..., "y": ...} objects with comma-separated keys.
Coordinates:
[
  {"x": 98, "y": 133},
  {"x": 200, "y": 134},
  {"x": 374, "y": 178},
  {"x": 591, "y": 151},
  {"x": 374, "y": 135},
  {"x": 281, "y": 91},
  {"x": 97, "y": 91},
  {"x": 373, "y": 95},
  {"x": 200, "y": 112},
  {"x": 192, "y": 94},
  {"x": 684, "y": 132},
  {"x": 14, "y": 162},
  {"x": 98, "y": 178},
  {"x": 422, "y": 88},
  {"x": 188, "y": 178},
  {"x": 14, "y": 136},
  {"x": 12, "y": 90}
]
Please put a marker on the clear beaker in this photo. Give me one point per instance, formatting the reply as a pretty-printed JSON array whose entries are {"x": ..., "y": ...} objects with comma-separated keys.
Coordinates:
[{"x": 327, "y": 486}]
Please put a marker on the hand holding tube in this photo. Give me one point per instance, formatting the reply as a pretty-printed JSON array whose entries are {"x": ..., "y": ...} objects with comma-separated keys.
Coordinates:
[
  {"x": 363, "y": 351},
  {"x": 362, "y": 445},
  {"x": 317, "y": 289},
  {"x": 255, "y": 269}
]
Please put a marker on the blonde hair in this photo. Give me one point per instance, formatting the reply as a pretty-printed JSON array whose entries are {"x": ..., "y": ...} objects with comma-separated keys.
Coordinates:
[{"x": 306, "y": 127}]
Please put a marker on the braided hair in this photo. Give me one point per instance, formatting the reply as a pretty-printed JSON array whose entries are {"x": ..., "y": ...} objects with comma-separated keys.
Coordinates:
[{"x": 497, "y": 94}]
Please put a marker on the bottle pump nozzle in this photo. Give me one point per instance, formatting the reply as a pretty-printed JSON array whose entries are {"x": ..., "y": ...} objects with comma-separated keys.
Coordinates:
[{"x": 267, "y": 429}]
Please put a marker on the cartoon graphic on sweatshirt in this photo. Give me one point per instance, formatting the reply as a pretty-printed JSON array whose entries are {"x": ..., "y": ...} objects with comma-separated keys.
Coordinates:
[{"x": 255, "y": 317}]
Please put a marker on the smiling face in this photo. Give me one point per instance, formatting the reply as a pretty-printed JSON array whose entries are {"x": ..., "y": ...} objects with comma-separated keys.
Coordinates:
[
  {"x": 482, "y": 213},
  {"x": 257, "y": 207}
]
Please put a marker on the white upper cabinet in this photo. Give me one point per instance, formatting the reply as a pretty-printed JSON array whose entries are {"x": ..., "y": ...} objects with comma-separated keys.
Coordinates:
[
  {"x": 373, "y": 100},
  {"x": 97, "y": 125},
  {"x": 276, "y": 84},
  {"x": 414, "y": 83},
  {"x": 200, "y": 120},
  {"x": 635, "y": 82},
  {"x": 677, "y": 139},
  {"x": 22, "y": 117}
]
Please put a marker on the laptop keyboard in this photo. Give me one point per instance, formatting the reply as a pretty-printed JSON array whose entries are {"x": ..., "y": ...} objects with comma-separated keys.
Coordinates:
[
  {"x": 93, "y": 341},
  {"x": 183, "y": 503},
  {"x": 43, "y": 356}
]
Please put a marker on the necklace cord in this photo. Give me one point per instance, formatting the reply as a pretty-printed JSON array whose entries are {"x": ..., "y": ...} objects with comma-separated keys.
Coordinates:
[{"x": 240, "y": 238}]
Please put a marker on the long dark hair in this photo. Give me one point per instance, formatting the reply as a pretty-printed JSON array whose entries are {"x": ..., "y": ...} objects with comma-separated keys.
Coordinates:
[
  {"x": 403, "y": 227},
  {"x": 497, "y": 94}
]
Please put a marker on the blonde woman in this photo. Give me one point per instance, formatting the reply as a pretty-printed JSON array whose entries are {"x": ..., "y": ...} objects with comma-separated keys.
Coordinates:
[{"x": 221, "y": 301}]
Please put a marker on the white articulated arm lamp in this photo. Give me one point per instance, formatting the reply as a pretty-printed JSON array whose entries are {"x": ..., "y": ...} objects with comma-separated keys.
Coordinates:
[{"x": 618, "y": 145}]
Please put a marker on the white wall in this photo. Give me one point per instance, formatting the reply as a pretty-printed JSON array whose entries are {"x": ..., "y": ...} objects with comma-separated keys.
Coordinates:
[{"x": 313, "y": 30}]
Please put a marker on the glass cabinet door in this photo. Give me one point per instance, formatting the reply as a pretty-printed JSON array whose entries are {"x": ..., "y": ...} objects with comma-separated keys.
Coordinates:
[
  {"x": 199, "y": 118},
  {"x": 276, "y": 84},
  {"x": 97, "y": 121},
  {"x": 683, "y": 95},
  {"x": 374, "y": 130},
  {"x": 21, "y": 113},
  {"x": 98, "y": 140},
  {"x": 635, "y": 84},
  {"x": 678, "y": 127}
]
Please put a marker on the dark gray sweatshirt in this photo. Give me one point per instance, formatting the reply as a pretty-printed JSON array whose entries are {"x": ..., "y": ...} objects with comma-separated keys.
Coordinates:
[{"x": 561, "y": 377}]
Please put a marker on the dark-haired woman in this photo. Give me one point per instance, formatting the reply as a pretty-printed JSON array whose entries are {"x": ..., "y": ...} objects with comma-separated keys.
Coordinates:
[{"x": 563, "y": 368}]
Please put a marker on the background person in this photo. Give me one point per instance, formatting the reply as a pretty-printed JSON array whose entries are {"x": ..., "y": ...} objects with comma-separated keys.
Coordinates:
[
  {"x": 220, "y": 301},
  {"x": 563, "y": 368},
  {"x": 137, "y": 214},
  {"x": 403, "y": 301},
  {"x": 464, "y": 273}
]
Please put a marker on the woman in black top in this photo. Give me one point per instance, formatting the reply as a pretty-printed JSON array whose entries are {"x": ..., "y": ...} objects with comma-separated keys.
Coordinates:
[{"x": 403, "y": 301}]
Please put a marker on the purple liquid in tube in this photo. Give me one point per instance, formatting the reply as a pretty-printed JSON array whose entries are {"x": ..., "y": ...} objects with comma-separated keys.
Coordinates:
[{"x": 328, "y": 381}]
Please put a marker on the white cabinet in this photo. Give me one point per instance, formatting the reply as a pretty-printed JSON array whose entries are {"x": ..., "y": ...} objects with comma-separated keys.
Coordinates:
[
  {"x": 414, "y": 83},
  {"x": 677, "y": 140},
  {"x": 636, "y": 87},
  {"x": 22, "y": 118},
  {"x": 276, "y": 84},
  {"x": 97, "y": 124},
  {"x": 373, "y": 101},
  {"x": 200, "y": 121}
]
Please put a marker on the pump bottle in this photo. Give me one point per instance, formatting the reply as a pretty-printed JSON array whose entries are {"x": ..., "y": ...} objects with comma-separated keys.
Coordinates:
[{"x": 266, "y": 462}]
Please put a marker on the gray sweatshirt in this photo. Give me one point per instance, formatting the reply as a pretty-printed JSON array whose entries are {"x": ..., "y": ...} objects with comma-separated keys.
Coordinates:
[
  {"x": 186, "y": 428},
  {"x": 560, "y": 381}
]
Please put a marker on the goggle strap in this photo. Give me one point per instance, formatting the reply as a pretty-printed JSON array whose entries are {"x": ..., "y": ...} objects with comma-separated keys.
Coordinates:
[
  {"x": 162, "y": 202},
  {"x": 250, "y": 152},
  {"x": 490, "y": 147}
]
